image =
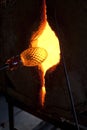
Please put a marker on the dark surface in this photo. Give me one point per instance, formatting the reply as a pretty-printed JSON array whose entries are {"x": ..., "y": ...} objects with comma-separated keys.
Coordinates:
[{"x": 23, "y": 120}]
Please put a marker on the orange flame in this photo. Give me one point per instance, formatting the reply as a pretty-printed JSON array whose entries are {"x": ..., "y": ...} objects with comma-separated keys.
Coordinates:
[
  {"x": 45, "y": 38},
  {"x": 50, "y": 43}
]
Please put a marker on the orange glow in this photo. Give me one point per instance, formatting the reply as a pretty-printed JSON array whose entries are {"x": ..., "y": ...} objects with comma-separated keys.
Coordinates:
[
  {"x": 45, "y": 38},
  {"x": 43, "y": 92},
  {"x": 50, "y": 43}
]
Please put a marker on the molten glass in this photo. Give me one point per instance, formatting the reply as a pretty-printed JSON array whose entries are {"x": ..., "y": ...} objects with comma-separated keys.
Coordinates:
[{"x": 33, "y": 56}]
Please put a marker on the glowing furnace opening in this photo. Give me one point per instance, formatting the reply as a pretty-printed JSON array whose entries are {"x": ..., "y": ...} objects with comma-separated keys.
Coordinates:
[{"x": 44, "y": 50}]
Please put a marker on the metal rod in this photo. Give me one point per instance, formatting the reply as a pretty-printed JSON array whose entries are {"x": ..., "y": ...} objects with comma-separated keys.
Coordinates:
[
  {"x": 11, "y": 115},
  {"x": 68, "y": 83},
  {"x": 5, "y": 66},
  {"x": 12, "y": 63},
  {"x": 70, "y": 94}
]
